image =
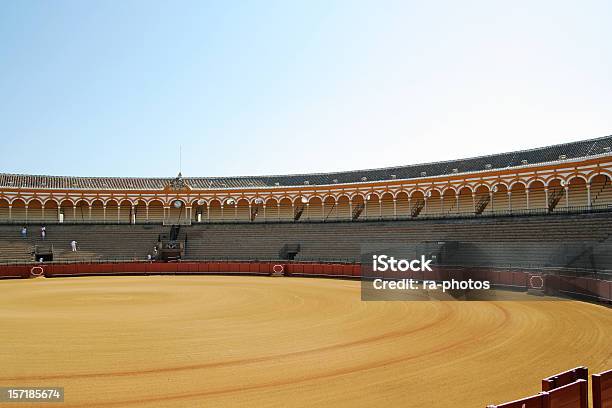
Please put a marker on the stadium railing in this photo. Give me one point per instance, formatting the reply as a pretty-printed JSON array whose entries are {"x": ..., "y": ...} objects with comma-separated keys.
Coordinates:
[{"x": 457, "y": 215}]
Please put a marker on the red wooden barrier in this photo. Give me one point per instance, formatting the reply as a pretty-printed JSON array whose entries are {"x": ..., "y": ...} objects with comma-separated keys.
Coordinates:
[
  {"x": 604, "y": 290},
  {"x": 602, "y": 389},
  {"x": 593, "y": 288},
  {"x": 574, "y": 395},
  {"x": 536, "y": 401},
  {"x": 564, "y": 378}
]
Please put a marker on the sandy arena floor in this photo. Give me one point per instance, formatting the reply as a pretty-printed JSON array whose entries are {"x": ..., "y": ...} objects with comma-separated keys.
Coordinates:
[{"x": 204, "y": 341}]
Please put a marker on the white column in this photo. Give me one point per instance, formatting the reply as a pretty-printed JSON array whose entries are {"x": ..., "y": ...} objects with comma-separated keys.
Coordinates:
[
  {"x": 26, "y": 212},
  {"x": 264, "y": 211},
  {"x": 11, "y": 211},
  {"x": 546, "y": 197},
  {"x": 89, "y": 212},
  {"x": 566, "y": 197},
  {"x": 527, "y": 196},
  {"x": 510, "y": 201},
  {"x": 394, "y": 207},
  {"x": 104, "y": 212},
  {"x": 147, "y": 211},
  {"x": 588, "y": 186}
]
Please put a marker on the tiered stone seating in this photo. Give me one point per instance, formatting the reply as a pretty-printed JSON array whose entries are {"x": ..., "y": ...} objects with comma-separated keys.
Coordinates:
[
  {"x": 519, "y": 241},
  {"x": 553, "y": 240},
  {"x": 94, "y": 241}
]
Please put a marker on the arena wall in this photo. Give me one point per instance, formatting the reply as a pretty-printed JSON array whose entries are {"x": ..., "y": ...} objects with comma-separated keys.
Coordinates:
[{"x": 555, "y": 283}]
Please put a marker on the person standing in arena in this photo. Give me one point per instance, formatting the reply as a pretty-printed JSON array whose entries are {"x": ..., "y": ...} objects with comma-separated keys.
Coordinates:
[{"x": 73, "y": 245}]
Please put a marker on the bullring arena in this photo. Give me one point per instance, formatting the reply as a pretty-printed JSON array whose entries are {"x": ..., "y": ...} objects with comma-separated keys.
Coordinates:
[{"x": 252, "y": 296}]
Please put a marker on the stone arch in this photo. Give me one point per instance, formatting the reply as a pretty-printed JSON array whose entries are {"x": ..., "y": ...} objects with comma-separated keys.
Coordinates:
[
  {"x": 536, "y": 194},
  {"x": 199, "y": 209},
  {"x": 285, "y": 207},
  {"x": 156, "y": 210},
  {"x": 499, "y": 197},
  {"x": 214, "y": 207},
  {"x": 112, "y": 210},
  {"x": 357, "y": 206},
  {"x": 448, "y": 187},
  {"x": 449, "y": 201},
  {"x": 18, "y": 211},
  {"x": 482, "y": 199},
  {"x": 466, "y": 201},
  {"x": 577, "y": 192},
  {"x": 81, "y": 212},
  {"x": 125, "y": 211},
  {"x": 602, "y": 172},
  {"x": 343, "y": 207},
  {"x": 330, "y": 209},
  {"x": 243, "y": 210},
  {"x": 533, "y": 180},
  {"x": 229, "y": 209},
  {"x": 557, "y": 198},
  {"x": 601, "y": 190},
  {"x": 417, "y": 203},
  {"x": 140, "y": 211},
  {"x": 50, "y": 209},
  {"x": 417, "y": 191},
  {"x": 314, "y": 210},
  {"x": 372, "y": 209},
  {"x": 387, "y": 206},
  {"x": 578, "y": 175},
  {"x": 35, "y": 210},
  {"x": 402, "y": 204},
  {"x": 4, "y": 209},
  {"x": 300, "y": 208},
  {"x": 97, "y": 210},
  {"x": 518, "y": 196},
  {"x": 68, "y": 210},
  {"x": 272, "y": 208}
]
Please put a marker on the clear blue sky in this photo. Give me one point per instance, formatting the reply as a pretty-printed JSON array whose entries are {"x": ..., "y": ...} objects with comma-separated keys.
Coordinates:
[{"x": 267, "y": 87}]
